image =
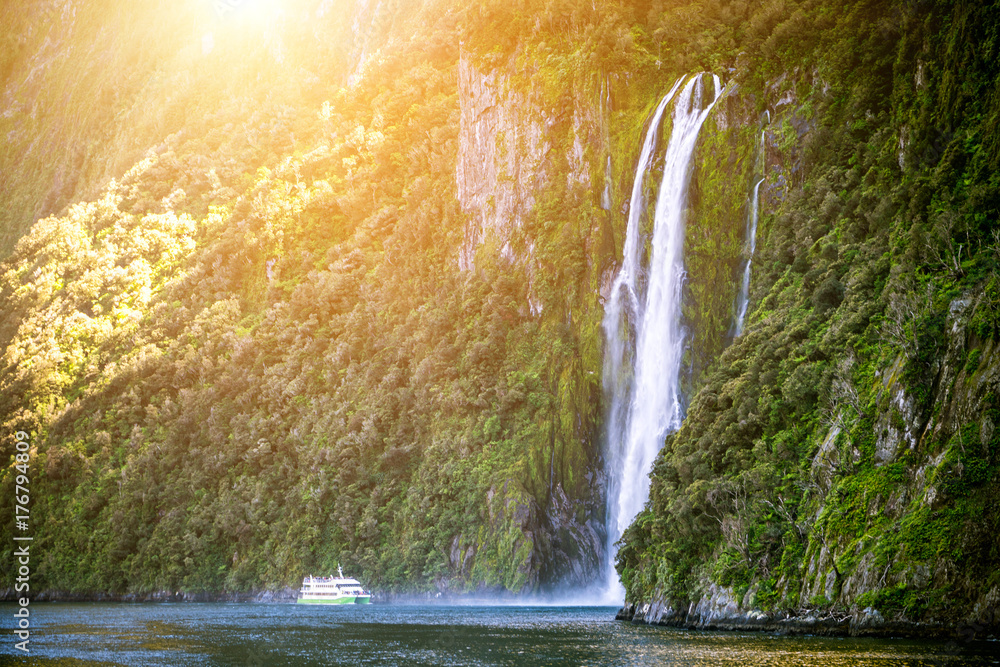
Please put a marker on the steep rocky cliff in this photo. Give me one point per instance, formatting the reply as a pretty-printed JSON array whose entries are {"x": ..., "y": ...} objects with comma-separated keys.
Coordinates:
[{"x": 839, "y": 462}]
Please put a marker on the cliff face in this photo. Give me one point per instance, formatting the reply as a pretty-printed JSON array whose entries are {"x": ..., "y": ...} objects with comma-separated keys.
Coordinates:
[
  {"x": 502, "y": 148},
  {"x": 904, "y": 547},
  {"x": 508, "y": 131},
  {"x": 839, "y": 459}
]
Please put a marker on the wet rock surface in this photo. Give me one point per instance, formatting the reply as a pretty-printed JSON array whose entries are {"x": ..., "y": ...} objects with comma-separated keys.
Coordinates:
[{"x": 718, "y": 612}]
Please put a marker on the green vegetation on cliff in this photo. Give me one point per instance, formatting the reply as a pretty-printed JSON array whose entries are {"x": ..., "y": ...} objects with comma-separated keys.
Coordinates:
[{"x": 842, "y": 453}]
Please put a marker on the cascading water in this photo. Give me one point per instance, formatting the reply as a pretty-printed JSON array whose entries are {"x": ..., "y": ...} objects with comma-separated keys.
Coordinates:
[
  {"x": 642, "y": 321},
  {"x": 743, "y": 300},
  {"x": 623, "y": 309}
]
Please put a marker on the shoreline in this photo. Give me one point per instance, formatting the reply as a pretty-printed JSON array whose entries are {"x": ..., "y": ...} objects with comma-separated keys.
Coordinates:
[
  {"x": 290, "y": 595},
  {"x": 283, "y": 595},
  {"x": 866, "y": 623}
]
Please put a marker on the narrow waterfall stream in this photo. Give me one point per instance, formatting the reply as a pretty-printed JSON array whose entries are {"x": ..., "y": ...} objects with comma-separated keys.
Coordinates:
[
  {"x": 642, "y": 322},
  {"x": 743, "y": 300}
]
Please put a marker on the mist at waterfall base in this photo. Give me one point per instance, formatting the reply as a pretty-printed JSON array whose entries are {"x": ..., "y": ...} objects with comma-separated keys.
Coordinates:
[{"x": 642, "y": 323}]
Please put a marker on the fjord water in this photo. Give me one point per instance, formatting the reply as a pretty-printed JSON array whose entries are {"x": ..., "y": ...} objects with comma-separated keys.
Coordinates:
[
  {"x": 642, "y": 322},
  {"x": 256, "y": 635}
]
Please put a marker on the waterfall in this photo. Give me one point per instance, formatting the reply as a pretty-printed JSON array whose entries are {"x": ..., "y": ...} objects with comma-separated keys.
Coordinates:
[
  {"x": 606, "y": 112},
  {"x": 642, "y": 320},
  {"x": 743, "y": 299}
]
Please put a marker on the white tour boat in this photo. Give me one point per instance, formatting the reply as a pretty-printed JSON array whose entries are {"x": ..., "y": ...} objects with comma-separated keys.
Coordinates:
[{"x": 333, "y": 590}]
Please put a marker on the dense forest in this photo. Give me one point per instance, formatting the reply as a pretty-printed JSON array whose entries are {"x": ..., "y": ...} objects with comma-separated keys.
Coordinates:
[
  {"x": 252, "y": 353},
  {"x": 288, "y": 285}
]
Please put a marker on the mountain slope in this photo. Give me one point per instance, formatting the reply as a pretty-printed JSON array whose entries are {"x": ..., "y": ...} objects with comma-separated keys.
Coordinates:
[
  {"x": 254, "y": 354},
  {"x": 841, "y": 459}
]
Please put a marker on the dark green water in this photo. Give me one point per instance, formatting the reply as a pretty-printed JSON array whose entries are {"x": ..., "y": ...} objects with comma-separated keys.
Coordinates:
[{"x": 271, "y": 634}]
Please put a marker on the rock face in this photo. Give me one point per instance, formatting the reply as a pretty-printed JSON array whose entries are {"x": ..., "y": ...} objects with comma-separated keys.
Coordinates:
[
  {"x": 719, "y": 612},
  {"x": 576, "y": 542},
  {"x": 507, "y": 137},
  {"x": 933, "y": 456},
  {"x": 502, "y": 150},
  {"x": 517, "y": 140}
]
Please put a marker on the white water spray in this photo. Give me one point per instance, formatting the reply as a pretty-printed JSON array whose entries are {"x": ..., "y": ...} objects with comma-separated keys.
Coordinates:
[{"x": 642, "y": 321}]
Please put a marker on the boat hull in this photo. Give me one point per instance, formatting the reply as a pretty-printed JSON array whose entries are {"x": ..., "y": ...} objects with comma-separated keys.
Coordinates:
[
  {"x": 342, "y": 600},
  {"x": 363, "y": 599}
]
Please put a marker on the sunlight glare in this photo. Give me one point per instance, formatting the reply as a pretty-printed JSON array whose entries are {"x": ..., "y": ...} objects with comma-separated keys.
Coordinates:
[{"x": 261, "y": 13}]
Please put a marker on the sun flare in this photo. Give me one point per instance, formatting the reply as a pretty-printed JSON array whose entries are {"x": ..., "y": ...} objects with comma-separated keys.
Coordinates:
[{"x": 261, "y": 12}]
